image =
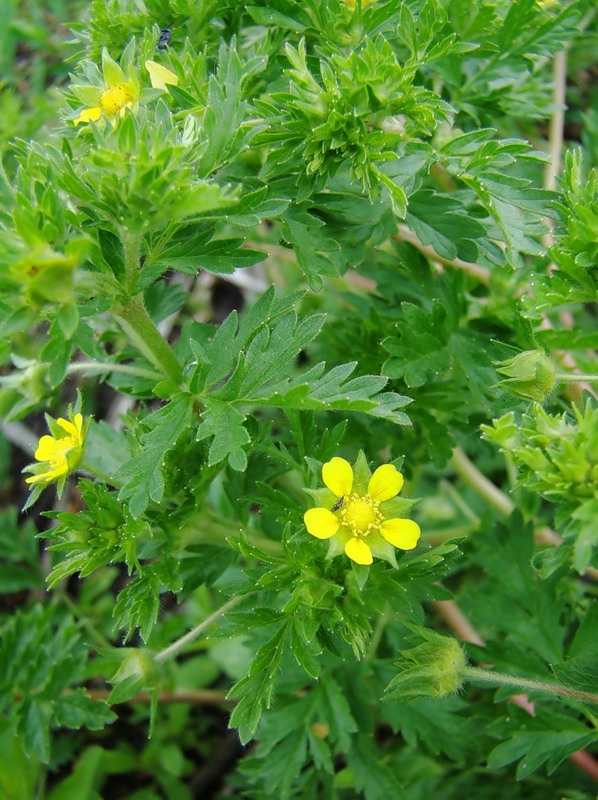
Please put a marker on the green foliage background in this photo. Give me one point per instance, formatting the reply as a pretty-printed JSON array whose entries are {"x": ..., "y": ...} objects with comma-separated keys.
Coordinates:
[{"x": 378, "y": 181}]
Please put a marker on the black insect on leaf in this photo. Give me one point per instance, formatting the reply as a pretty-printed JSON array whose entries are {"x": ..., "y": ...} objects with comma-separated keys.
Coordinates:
[{"x": 165, "y": 38}]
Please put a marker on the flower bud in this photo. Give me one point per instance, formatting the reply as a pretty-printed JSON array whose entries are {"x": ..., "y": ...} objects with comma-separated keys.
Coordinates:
[
  {"x": 530, "y": 375},
  {"x": 432, "y": 669},
  {"x": 137, "y": 672},
  {"x": 46, "y": 275}
]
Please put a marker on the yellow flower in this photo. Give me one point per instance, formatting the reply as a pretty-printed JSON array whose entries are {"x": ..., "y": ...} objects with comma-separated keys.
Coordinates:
[
  {"x": 117, "y": 93},
  {"x": 358, "y": 510},
  {"x": 60, "y": 453},
  {"x": 160, "y": 77}
]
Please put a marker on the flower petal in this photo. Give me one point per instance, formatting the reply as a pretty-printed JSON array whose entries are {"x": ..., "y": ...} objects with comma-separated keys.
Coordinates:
[
  {"x": 67, "y": 426},
  {"x": 358, "y": 551},
  {"x": 337, "y": 474},
  {"x": 386, "y": 482},
  {"x": 321, "y": 523},
  {"x": 46, "y": 448},
  {"x": 88, "y": 95},
  {"x": 160, "y": 76},
  {"x": 88, "y": 115},
  {"x": 48, "y": 475},
  {"x": 402, "y": 533},
  {"x": 113, "y": 74}
]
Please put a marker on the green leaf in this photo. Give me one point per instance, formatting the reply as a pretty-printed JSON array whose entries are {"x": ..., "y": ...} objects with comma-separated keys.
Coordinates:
[
  {"x": 255, "y": 690},
  {"x": 141, "y": 477},
  {"x": 335, "y": 710},
  {"x": 444, "y": 223},
  {"x": 304, "y": 646},
  {"x": 312, "y": 245},
  {"x": 225, "y": 424},
  {"x": 138, "y": 605},
  {"x": 194, "y": 249},
  {"x": 84, "y": 778},
  {"x": 548, "y": 738},
  {"x": 106, "y": 448},
  {"x": 372, "y": 777},
  {"x": 19, "y": 771},
  {"x": 19, "y": 556},
  {"x": 316, "y": 390},
  {"x": 77, "y": 709},
  {"x": 41, "y": 657}
]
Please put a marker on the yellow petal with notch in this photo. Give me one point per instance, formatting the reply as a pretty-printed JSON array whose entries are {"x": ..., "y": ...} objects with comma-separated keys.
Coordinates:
[
  {"x": 88, "y": 115},
  {"x": 321, "y": 523},
  {"x": 337, "y": 474},
  {"x": 358, "y": 551},
  {"x": 46, "y": 448},
  {"x": 401, "y": 533},
  {"x": 386, "y": 482}
]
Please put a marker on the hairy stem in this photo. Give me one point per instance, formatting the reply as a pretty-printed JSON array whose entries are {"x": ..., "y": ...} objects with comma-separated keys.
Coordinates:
[
  {"x": 502, "y": 679},
  {"x": 98, "y": 366},
  {"x": 207, "y": 528},
  {"x": 477, "y": 271},
  {"x": 485, "y": 488},
  {"x": 571, "y": 377},
  {"x": 191, "y": 696},
  {"x": 132, "y": 252},
  {"x": 195, "y": 633},
  {"x": 138, "y": 326}
]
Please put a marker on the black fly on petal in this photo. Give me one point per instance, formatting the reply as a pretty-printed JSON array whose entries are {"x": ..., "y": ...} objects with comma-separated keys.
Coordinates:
[{"x": 338, "y": 504}]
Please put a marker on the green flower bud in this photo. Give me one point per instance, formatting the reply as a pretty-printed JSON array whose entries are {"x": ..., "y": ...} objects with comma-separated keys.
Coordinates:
[
  {"x": 530, "y": 375},
  {"x": 24, "y": 388},
  {"x": 434, "y": 668},
  {"x": 137, "y": 672}
]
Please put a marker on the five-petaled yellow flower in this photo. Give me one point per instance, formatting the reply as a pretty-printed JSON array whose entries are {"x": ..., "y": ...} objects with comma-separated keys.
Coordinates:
[
  {"x": 58, "y": 454},
  {"x": 360, "y": 511},
  {"x": 118, "y": 92}
]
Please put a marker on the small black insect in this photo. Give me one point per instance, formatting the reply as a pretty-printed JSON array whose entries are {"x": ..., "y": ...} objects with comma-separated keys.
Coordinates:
[
  {"x": 338, "y": 504},
  {"x": 165, "y": 38}
]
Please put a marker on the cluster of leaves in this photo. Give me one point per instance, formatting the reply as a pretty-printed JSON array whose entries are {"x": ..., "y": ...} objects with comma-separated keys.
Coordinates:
[
  {"x": 43, "y": 657},
  {"x": 555, "y": 456}
]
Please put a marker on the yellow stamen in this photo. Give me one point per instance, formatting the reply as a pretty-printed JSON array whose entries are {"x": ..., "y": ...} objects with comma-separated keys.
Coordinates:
[
  {"x": 361, "y": 515},
  {"x": 115, "y": 98}
]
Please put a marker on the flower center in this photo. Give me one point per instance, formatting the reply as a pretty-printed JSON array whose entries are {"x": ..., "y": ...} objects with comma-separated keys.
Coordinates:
[
  {"x": 360, "y": 515},
  {"x": 114, "y": 98},
  {"x": 61, "y": 448}
]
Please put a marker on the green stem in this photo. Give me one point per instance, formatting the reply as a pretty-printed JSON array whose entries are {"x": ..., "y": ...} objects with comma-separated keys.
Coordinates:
[
  {"x": 436, "y": 537},
  {"x": 132, "y": 252},
  {"x": 196, "y": 632},
  {"x": 485, "y": 488},
  {"x": 206, "y": 528},
  {"x": 98, "y": 366},
  {"x": 502, "y": 679},
  {"x": 381, "y": 624},
  {"x": 136, "y": 323},
  {"x": 91, "y": 471},
  {"x": 98, "y": 637},
  {"x": 569, "y": 377}
]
